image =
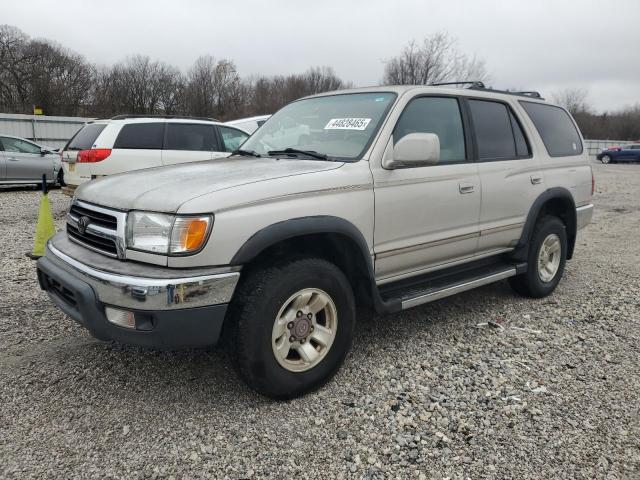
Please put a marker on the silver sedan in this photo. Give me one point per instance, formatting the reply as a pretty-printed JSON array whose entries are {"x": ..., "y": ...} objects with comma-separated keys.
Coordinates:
[{"x": 23, "y": 161}]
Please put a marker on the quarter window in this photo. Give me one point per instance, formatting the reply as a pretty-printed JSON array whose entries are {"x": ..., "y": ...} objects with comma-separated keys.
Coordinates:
[
  {"x": 437, "y": 115},
  {"x": 232, "y": 138},
  {"x": 559, "y": 134},
  {"x": 496, "y": 134},
  {"x": 146, "y": 136},
  {"x": 188, "y": 136}
]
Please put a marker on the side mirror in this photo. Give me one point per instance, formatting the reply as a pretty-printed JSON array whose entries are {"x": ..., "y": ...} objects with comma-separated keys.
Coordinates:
[
  {"x": 45, "y": 151},
  {"x": 413, "y": 150}
]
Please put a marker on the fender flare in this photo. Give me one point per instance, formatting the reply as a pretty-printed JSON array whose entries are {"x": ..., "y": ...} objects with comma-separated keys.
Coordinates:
[
  {"x": 522, "y": 247},
  {"x": 295, "y": 227}
]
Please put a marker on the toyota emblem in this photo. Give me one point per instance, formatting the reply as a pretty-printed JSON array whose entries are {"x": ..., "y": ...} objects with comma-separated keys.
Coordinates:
[{"x": 83, "y": 223}]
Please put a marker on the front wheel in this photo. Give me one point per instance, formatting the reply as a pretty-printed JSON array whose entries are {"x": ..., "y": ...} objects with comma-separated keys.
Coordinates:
[
  {"x": 292, "y": 326},
  {"x": 606, "y": 159},
  {"x": 546, "y": 259}
]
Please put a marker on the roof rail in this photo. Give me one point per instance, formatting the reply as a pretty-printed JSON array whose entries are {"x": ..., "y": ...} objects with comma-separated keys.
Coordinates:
[
  {"x": 530, "y": 93},
  {"x": 179, "y": 117},
  {"x": 472, "y": 84},
  {"x": 477, "y": 85}
]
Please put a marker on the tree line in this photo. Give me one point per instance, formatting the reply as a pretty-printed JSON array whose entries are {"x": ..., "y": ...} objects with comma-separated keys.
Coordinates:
[
  {"x": 41, "y": 73},
  {"x": 621, "y": 125}
]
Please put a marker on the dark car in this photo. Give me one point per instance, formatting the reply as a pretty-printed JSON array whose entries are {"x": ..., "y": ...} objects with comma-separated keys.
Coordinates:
[{"x": 626, "y": 153}]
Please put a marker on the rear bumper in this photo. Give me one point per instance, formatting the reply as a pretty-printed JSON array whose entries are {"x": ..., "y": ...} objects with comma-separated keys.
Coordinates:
[
  {"x": 583, "y": 216},
  {"x": 158, "y": 304}
]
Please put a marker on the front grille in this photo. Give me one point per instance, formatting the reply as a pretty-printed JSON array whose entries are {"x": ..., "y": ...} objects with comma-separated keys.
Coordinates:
[
  {"x": 95, "y": 242},
  {"x": 101, "y": 232},
  {"x": 97, "y": 218}
]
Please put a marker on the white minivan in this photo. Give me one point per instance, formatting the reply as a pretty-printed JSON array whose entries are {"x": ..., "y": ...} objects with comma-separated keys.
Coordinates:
[
  {"x": 132, "y": 142},
  {"x": 249, "y": 124}
]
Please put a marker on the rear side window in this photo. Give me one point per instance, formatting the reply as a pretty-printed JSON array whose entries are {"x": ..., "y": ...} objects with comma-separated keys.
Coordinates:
[
  {"x": 498, "y": 133},
  {"x": 187, "y": 136},
  {"x": 86, "y": 136},
  {"x": 556, "y": 128},
  {"x": 146, "y": 136},
  {"x": 435, "y": 115},
  {"x": 232, "y": 138}
]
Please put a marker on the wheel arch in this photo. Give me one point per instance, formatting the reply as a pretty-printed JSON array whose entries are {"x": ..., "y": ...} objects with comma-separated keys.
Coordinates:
[
  {"x": 556, "y": 201},
  {"x": 329, "y": 237}
]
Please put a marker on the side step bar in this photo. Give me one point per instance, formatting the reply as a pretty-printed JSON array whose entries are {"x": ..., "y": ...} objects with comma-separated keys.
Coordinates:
[
  {"x": 436, "y": 294},
  {"x": 429, "y": 287}
]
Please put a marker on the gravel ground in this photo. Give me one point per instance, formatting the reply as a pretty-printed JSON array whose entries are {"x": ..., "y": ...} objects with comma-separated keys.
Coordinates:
[{"x": 429, "y": 393}]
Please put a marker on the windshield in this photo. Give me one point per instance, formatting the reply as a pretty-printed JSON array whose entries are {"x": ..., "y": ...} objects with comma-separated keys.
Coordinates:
[{"x": 339, "y": 126}]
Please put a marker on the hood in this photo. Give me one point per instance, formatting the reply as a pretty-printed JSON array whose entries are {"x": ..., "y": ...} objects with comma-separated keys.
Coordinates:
[{"x": 164, "y": 189}]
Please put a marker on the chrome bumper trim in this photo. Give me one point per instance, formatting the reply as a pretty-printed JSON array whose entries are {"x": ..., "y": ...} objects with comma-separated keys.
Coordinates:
[
  {"x": 584, "y": 214},
  {"x": 144, "y": 293}
]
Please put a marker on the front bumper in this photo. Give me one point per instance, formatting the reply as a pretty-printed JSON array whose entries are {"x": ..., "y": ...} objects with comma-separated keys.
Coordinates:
[{"x": 170, "y": 312}]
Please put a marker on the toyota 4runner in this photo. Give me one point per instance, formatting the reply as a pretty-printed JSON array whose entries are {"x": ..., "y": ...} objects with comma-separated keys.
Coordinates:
[{"x": 387, "y": 197}]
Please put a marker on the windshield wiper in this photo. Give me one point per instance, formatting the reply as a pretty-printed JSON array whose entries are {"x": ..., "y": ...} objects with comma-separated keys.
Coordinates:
[
  {"x": 249, "y": 153},
  {"x": 294, "y": 151}
]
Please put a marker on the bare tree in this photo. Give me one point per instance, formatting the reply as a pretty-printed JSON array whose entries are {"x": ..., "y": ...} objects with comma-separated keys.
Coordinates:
[
  {"x": 60, "y": 80},
  {"x": 137, "y": 85},
  {"x": 573, "y": 99},
  {"x": 268, "y": 94},
  {"x": 14, "y": 68},
  {"x": 436, "y": 59},
  {"x": 212, "y": 87}
]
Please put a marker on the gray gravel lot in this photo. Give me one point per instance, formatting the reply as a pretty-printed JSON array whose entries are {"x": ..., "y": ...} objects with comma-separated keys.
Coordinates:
[{"x": 553, "y": 393}]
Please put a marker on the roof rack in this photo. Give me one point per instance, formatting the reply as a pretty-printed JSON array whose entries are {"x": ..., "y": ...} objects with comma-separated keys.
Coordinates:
[
  {"x": 179, "y": 117},
  {"x": 478, "y": 85}
]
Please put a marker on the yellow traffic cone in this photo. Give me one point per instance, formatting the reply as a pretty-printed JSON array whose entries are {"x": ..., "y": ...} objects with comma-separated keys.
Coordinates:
[{"x": 45, "y": 228}]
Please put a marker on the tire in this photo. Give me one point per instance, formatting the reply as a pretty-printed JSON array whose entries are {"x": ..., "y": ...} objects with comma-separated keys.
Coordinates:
[
  {"x": 277, "y": 292},
  {"x": 61, "y": 178},
  {"x": 537, "y": 281},
  {"x": 606, "y": 159}
]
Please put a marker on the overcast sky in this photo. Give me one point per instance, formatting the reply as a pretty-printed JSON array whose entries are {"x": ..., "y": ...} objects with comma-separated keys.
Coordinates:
[{"x": 533, "y": 44}]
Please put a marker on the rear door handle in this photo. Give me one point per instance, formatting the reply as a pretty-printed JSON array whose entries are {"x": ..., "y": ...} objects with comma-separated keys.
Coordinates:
[
  {"x": 466, "y": 188},
  {"x": 536, "y": 180}
]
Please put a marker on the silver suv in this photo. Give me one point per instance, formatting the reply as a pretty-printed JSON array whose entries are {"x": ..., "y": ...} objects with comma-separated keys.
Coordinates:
[{"x": 387, "y": 197}]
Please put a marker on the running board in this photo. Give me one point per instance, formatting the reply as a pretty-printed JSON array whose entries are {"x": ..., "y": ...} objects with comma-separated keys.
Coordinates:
[
  {"x": 433, "y": 286},
  {"x": 436, "y": 294}
]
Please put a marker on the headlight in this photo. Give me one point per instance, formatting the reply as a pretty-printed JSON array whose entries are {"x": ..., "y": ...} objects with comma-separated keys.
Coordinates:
[{"x": 167, "y": 234}]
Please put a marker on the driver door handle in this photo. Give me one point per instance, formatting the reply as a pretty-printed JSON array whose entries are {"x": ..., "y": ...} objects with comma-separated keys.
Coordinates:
[{"x": 12, "y": 159}]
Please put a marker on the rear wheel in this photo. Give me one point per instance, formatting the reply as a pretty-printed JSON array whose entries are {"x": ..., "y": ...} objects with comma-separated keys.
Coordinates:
[
  {"x": 60, "y": 179},
  {"x": 292, "y": 326},
  {"x": 546, "y": 259},
  {"x": 606, "y": 159}
]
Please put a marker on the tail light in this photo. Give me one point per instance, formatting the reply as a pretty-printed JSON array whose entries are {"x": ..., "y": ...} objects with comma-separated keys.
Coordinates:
[
  {"x": 593, "y": 183},
  {"x": 92, "y": 156}
]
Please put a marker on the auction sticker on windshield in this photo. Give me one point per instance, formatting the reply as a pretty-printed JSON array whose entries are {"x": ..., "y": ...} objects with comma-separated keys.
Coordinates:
[{"x": 347, "y": 124}]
